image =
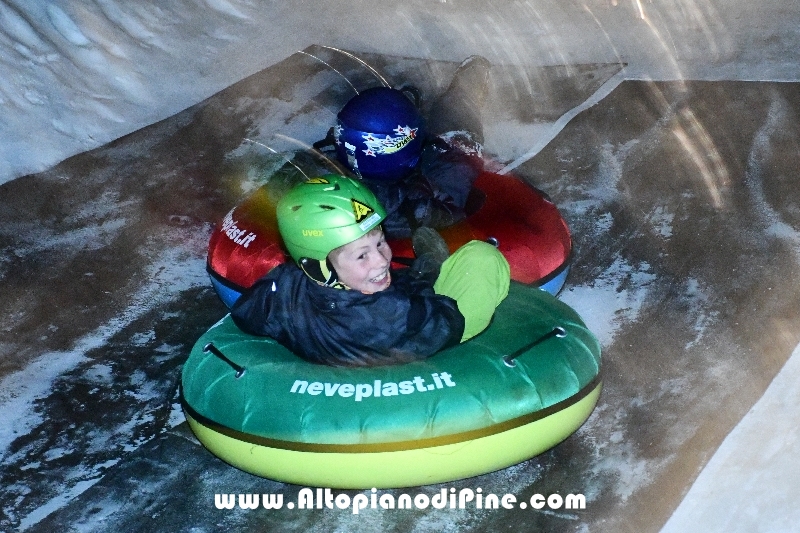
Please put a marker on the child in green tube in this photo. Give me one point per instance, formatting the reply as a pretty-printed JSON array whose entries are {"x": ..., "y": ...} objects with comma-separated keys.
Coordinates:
[{"x": 340, "y": 303}]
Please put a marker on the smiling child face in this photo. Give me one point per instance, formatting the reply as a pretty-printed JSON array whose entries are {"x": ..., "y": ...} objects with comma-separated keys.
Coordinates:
[{"x": 363, "y": 264}]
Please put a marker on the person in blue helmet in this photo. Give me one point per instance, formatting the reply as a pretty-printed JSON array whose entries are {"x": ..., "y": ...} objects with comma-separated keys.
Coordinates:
[{"x": 422, "y": 171}]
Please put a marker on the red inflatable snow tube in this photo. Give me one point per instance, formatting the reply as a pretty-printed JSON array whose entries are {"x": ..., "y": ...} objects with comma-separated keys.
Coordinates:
[{"x": 522, "y": 221}]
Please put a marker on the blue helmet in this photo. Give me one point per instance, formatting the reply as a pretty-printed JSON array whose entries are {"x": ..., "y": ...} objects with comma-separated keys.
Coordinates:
[{"x": 379, "y": 134}]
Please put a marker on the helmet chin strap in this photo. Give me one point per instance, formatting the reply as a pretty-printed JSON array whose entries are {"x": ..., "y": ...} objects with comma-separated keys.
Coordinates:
[{"x": 322, "y": 272}]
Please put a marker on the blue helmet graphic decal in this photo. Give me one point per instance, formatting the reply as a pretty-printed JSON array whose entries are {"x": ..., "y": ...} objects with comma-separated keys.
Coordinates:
[{"x": 379, "y": 135}]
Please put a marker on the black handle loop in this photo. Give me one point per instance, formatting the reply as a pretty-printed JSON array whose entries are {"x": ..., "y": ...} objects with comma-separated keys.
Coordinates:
[
  {"x": 327, "y": 142},
  {"x": 240, "y": 370},
  {"x": 413, "y": 94},
  {"x": 557, "y": 331}
]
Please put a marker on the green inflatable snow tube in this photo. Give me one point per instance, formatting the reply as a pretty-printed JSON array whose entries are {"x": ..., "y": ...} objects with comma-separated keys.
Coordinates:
[{"x": 517, "y": 389}]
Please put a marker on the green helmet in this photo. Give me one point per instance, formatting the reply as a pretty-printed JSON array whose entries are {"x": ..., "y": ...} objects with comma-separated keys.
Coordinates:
[{"x": 322, "y": 214}]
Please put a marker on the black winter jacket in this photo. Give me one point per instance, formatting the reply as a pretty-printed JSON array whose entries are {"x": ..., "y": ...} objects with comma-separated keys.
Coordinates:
[
  {"x": 436, "y": 194},
  {"x": 403, "y": 323}
]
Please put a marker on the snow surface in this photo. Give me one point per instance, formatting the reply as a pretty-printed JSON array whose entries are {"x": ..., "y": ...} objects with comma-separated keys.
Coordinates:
[
  {"x": 179, "y": 269},
  {"x": 750, "y": 484},
  {"x": 79, "y": 73}
]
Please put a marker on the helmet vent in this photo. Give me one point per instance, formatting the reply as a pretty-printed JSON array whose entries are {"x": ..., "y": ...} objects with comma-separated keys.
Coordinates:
[{"x": 327, "y": 207}]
